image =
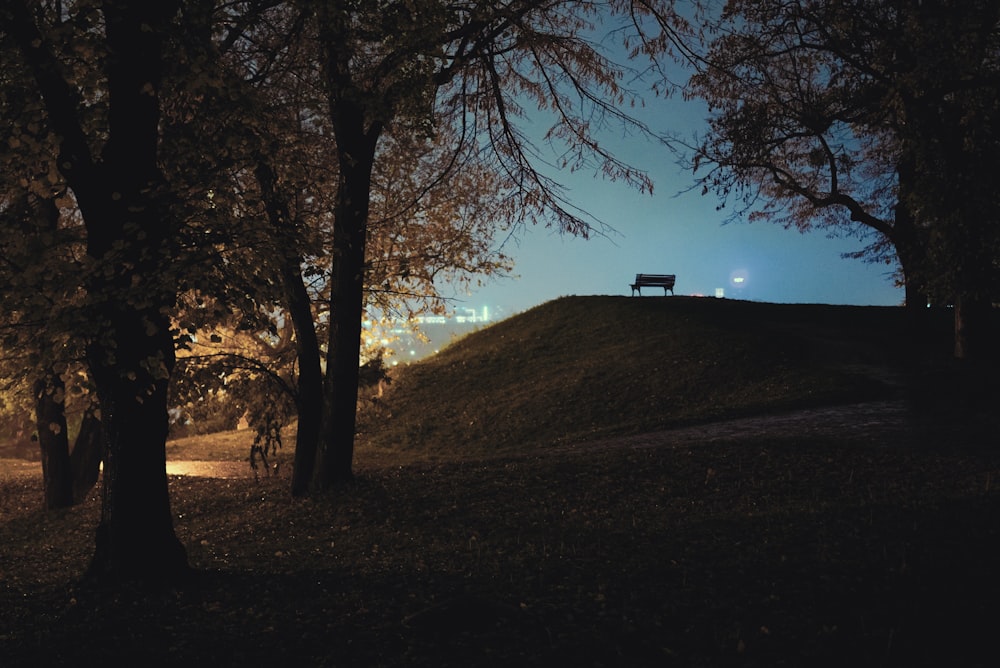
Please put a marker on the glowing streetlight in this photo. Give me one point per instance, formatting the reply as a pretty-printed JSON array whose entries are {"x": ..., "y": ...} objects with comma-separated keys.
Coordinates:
[{"x": 738, "y": 278}]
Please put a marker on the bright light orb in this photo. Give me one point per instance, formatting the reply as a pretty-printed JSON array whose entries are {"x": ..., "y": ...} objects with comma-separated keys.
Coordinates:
[{"x": 739, "y": 278}]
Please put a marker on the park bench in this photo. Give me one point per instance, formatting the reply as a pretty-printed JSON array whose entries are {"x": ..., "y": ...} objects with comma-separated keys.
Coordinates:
[{"x": 665, "y": 281}]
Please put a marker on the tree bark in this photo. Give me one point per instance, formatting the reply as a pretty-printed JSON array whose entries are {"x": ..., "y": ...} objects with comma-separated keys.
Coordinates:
[
  {"x": 131, "y": 357},
  {"x": 911, "y": 250},
  {"x": 309, "y": 394},
  {"x": 53, "y": 441},
  {"x": 135, "y": 537},
  {"x": 972, "y": 325},
  {"x": 86, "y": 457},
  {"x": 129, "y": 290},
  {"x": 309, "y": 397},
  {"x": 68, "y": 475},
  {"x": 356, "y": 144},
  {"x": 357, "y": 116}
]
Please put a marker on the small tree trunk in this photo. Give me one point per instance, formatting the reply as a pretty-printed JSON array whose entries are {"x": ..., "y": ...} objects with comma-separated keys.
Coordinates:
[
  {"x": 86, "y": 457},
  {"x": 971, "y": 328},
  {"x": 50, "y": 418},
  {"x": 309, "y": 395},
  {"x": 68, "y": 476},
  {"x": 309, "y": 398}
]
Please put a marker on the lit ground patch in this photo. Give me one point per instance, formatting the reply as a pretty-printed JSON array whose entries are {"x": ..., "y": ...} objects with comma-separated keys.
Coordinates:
[{"x": 203, "y": 469}]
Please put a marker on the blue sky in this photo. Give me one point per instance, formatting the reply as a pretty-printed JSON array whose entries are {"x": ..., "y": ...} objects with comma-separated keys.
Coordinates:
[{"x": 682, "y": 233}]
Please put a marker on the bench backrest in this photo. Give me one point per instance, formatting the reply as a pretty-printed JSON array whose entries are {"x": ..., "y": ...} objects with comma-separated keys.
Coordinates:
[{"x": 656, "y": 279}]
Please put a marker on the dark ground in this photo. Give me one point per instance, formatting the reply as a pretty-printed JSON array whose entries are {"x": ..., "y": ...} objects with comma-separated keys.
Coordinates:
[
  {"x": 848, "y": 536},
  {"x": 519, "y": 503}
]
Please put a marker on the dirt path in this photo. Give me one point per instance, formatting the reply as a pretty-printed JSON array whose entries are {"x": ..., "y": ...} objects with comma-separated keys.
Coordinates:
[
  {"x": 14, "y": 468},
  {"x": 872, "y": 419}
]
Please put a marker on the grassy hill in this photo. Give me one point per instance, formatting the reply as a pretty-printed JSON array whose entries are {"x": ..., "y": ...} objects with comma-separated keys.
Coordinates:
[{"x": 582, "y": 367}]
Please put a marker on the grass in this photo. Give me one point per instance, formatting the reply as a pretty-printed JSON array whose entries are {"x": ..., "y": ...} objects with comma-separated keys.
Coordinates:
[
  {"x": 513, "y": 507},
  {"x": 584, "y": 367}
]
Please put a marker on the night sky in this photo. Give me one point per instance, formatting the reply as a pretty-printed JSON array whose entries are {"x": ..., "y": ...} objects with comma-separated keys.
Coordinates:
[{"x": 678, "y": 231}]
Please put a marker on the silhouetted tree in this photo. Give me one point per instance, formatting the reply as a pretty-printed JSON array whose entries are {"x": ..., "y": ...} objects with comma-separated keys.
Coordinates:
[
  {"x": 108, "y": 155},
  {"x": 828, "y": 114},
  {"x": 40, "y": 246},
  {"x": 411, "y": 67},
  {"x": 440, "y": 85}
]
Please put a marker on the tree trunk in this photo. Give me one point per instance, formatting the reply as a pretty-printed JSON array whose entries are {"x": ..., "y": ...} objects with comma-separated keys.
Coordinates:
[
  {"x": 50, "y": 419},
  {"x": 913, "y": 264},
  {"x": 356, "y": 144},
  {"x": 130, "y": 242},
  {"x": 911, "y": 250},
  {"x": 68, "y": 475},
  {"x": 309, "y": 394},
  {"x": 971, "y": 328},
  {"x": 135, "y": 537},
  {"x": 86, "y": 457},
  {"x": 309, "y": 398},
  {"x": 358, "y": 119},
  {"x": 911, "y": 246}
]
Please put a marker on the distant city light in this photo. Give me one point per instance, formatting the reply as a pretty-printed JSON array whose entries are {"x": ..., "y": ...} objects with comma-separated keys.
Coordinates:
[
  {"x": 739, "y": 278},
  {"x": 720, "y": 293},
  {"x": 437, "y": 329}
]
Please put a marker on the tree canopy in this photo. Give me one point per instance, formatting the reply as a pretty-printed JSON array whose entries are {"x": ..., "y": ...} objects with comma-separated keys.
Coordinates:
[
  {"x": 238, "y": 185},
  {"x": 236, "y": 167},
  {"x": 867, "y": 118}
]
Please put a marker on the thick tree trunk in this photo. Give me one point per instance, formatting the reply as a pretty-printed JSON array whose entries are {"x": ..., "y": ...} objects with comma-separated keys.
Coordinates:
[
  {"x": 911, "y": 246},
  {"x": 915, "y": 296},
  {"x": 911, "y": 249},
  {"x": 130, "y": 243},
  {"x": 135, "y": 537},
  {"x": 132, "y": 357},
  {"x": 356, "y": 144},
  {"x": 50, "y": 419},
  {"x": 914, "y": 267}
]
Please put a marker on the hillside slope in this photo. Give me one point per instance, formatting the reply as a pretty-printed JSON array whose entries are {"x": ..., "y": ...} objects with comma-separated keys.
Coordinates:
[{"x": 582, "y": 367}]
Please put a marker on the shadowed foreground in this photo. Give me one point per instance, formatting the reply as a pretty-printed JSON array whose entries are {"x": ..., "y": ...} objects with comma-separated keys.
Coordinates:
[
  {"x": 761, "y": 550},
  {"x": 805, "y": 531}
]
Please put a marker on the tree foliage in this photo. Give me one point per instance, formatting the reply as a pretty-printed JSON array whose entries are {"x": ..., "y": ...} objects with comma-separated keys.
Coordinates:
[
  {"x": 870, "y": 118},
  {"x": 414, "y": 68},
  {"x": 95, "y": 71},
  {"x": 41, "y": 256},
  {"x": 254, "y": 173}
]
